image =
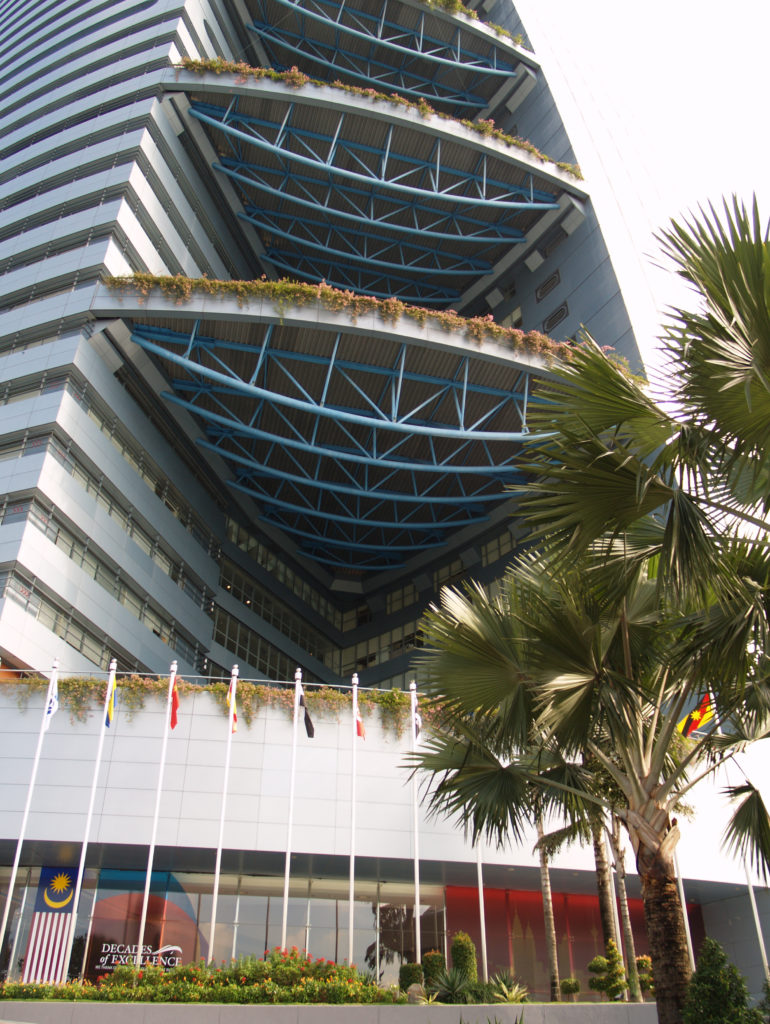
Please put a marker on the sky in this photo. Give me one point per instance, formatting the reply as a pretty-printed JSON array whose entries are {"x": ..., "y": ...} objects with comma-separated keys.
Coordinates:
[
  {"x": 666, "y": 105},
  {"x": 671, "y": 110}
]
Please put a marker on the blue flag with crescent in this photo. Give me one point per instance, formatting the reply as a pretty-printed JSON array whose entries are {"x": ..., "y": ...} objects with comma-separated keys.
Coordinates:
[{"x": 55, "y": 890}]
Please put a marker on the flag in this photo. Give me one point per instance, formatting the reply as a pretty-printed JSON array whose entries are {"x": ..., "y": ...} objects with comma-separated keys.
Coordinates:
[
  {"x": 174, "y": 706},
  {"x": 49, "y": 931},
  {"x": 53, "y": 704},
  {"x": 360, "y": 729},
  {"x": 231, "y": 703},
  {"x": 697, "y": 718},
  {"x": 417, "y": 725},
  {"x": 110, "y": 704},
  {"x": 309, "y": 727}
]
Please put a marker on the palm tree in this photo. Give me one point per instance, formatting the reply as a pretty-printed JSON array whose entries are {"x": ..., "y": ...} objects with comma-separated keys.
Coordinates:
[
  {"x": 550, "y": 924},
  {"x": 618, "y": 857},
  {"x": 677, "y": 475},
  {"x": 569, "y": 662},
  {"x": 673, "y": 492}
]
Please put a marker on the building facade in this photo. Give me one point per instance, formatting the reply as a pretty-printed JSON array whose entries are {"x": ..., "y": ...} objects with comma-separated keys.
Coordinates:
[
  {"x": 251, "y": 479},
  {"x": 280, "y": 456}
]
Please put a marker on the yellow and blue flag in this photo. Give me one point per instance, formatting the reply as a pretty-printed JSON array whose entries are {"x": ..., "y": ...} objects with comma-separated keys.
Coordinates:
[{"x": 110, "y": 707}]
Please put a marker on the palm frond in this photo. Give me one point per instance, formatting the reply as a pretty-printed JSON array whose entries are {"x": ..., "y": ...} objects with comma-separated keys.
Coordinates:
[
  {"x": 748, "y": 832},
  {"x": 722, "y": 350},
  {"x": 552, "y": 842},
  {"x": 474, "y": 786}
]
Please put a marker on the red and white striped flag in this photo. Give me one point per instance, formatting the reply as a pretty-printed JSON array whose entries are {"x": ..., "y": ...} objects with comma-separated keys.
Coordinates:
[{"x": 47, "y": 943}]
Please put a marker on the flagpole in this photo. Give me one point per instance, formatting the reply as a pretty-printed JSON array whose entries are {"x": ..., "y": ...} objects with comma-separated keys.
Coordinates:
[
  {"x": 158, "y": 794},
  {"x": 230, "y": 724},
  {"x": 351, "y": 889},
  {"x": 89, "y": 817},
  {"x": 47, "y": 713},
  {"x": 12, "y": 958},
  {"x": 286, "y": 870},
  {"x": 749, "y": 883},
  {"x": 755, "y": 914},
  {"x": 87, "y": 943},
  {"x": 415, "y": 832},
  {"x": 482, "y": 914},
  {"x": 685, "y": 915}
]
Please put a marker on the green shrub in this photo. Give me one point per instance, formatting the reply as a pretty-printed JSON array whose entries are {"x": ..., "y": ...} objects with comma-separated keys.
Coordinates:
[
  {"x": 464, "y": 956},
  {"x": 717, "y": 992},
  {"x": 764, "y": 1004},
  {"x": 452, "y": 987},
  {"x": 569, "y": 986},
  {"x": 644, "y": 973},
  {"x": 506, "y": 989},
  {"x": 610, "y": 973},
  {"x": 409, "y": 974},
  {"x": 284, "y": 976},
  {"x": 433, "y": 964}
]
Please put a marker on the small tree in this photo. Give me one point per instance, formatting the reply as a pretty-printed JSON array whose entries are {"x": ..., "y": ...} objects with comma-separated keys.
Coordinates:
[
  {"x": 433, "y": 964},
  {"x": 644, "y": 970},
  {"x": 718, "y": 993},
  {"x": 610, "y": 974},
  {"x": 464, "y": 956},
  {"x": 409, "y": 974},
  {"x": 570, "y": 987}
]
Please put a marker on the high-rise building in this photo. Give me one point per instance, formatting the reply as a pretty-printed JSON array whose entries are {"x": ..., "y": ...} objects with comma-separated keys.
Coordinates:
[
  {"x": 362, "y": 237},
  {"x": 216, "y": 477}
]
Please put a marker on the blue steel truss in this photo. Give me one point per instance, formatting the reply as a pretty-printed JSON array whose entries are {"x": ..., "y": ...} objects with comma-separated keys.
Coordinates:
[
  {"x": 340, "y": 152},
  {"x": 379, "y": 51},
  {"x": 343, "y": 257},
  {"x": 383, "y": 284},
  {"x": 371, "y": 217},
  {"x": 363, "y": 463},
  {"x": 375, "y": 248}
]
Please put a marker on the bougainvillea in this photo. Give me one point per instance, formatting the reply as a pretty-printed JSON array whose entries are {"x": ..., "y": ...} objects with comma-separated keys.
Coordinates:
[
  {"x": 286, "y": 293},
  {"x": 297, "y": 80}
]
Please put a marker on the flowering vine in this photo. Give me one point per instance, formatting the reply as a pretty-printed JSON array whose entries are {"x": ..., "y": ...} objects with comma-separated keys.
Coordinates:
[
  {"x": 83, "y": 696},
  {"x": 298, "y": 79},
  {"x": 286, "y": 293}
]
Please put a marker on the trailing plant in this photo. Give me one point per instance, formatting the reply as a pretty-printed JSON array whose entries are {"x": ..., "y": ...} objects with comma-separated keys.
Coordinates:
[
  {"x": 717, "y": 992},
  {"x": 463, "y": 952},
  {"x": 83, "y": 696},
  {"x": 393, "y": 707},
  {"x": 286, "y": 293},
  {"x": 298, "y": 80}
]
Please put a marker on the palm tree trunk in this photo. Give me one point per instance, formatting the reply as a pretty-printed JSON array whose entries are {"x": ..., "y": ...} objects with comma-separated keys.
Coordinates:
[
  {"x": 550, "y": 926},
  {"x": 603, "y": 884},
  {"x": 665, "y": 925},
  {"x": 628, "y": 935}
]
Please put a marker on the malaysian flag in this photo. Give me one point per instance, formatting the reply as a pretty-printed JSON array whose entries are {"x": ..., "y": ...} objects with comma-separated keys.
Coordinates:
[{"x": 47, "y": 943}]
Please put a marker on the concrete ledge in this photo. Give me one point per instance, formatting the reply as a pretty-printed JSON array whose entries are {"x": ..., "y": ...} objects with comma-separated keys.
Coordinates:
[{"x": 55, "y": 1012}]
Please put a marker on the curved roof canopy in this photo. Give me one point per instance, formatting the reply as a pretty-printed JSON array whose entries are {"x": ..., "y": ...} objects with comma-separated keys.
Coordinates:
[
  {"x": 372, "y": 197},
  {"x": 456, "y": 64},
  {"x": 367, "y": 447}
]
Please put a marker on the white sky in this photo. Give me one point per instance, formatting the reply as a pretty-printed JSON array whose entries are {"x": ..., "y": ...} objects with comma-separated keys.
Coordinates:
[
  {"x": 666, "y": 101},
  {"x": 680, "y": 87}
]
